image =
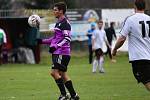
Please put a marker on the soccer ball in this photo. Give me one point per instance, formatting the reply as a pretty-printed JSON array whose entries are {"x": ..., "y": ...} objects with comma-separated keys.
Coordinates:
[{"x": 34, "y": 20}]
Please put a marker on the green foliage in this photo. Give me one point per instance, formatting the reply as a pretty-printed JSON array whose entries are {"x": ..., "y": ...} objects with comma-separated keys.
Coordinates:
[{"x": 32, "y": 82}]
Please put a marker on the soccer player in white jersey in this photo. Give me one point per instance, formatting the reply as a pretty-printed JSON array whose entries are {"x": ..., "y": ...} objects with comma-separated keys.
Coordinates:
[
  {"x": 137, "y": 28},
  {"x": 98, "y": 38}
]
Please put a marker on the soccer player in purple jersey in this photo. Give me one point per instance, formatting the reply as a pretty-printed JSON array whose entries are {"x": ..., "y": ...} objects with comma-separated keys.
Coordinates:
[{"x": 59, "y": 47}]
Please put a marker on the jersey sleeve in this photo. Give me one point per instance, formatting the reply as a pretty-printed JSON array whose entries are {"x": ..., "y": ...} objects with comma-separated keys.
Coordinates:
[
  {"x": 125, "y": 28},
  {"x": 47, "y": 41}
]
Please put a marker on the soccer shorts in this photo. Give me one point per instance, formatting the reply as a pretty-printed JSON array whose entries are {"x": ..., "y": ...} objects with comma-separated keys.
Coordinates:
[
  {"x": 60, "y": 62},
  {"x": 141, "y": 70},
  {"x": 98, "y": 53}
]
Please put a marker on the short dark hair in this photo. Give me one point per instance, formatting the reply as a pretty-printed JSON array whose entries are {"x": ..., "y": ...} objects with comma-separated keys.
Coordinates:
[
  {"x": 140, "y": 4},
  {"x": 112, "y": 23},
  {"x": 61, "y": 6},
  {"x": 99, "y": 21}
]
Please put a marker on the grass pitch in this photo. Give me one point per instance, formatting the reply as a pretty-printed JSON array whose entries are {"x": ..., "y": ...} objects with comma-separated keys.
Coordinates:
[{"x": 33, "y": 82}]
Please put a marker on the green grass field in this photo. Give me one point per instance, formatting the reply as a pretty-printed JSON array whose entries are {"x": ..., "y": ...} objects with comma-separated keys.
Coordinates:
[{"x": 33, "y": 82}]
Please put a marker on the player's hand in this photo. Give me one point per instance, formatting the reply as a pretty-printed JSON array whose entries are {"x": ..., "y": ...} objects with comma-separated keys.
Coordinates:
[
  {"x": 37, "y": 24},
  {"x": 114, "y": 52},
  {"x": 51, "y": 30},
  {"x": 39, "y": 41},
  {"x": 52, "y": 49}
]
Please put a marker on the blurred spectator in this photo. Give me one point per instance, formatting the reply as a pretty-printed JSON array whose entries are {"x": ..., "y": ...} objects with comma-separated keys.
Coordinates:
[
  {"x": 3, "y": 42},
  {"x": 5, "y": 54},
  {"x": 110, "y": 33},
  {"x": 18, "y": 43},
  {"x": 30, "y": 38},
  {"x": 89, "y": 35}
]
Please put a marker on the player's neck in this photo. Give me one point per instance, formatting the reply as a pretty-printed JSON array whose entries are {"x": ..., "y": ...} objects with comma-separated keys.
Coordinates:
[
  {"x": 139, "y": 11},
  {"x": 61, "y": 17}
]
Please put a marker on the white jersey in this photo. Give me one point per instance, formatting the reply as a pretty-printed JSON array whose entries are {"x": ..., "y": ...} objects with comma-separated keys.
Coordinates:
[
  {"x": 137, "y": 28},
  {"x": 99, "y": 37}
]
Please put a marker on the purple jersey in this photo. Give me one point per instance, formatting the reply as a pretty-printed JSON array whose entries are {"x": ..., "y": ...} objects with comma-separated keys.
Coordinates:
[{"x": 61, "y": 39}]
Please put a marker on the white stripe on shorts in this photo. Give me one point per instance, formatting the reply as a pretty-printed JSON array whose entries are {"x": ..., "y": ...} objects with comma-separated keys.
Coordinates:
[{"x": 59, "y": 59}]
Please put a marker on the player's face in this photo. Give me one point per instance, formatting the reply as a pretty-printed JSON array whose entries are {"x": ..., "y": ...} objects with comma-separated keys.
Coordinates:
[
  {"x": 100, "y": 25},
  {"x": 56, "y": 12}
]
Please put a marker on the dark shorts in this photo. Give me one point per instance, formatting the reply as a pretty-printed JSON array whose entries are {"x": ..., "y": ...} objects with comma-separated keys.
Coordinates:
[
  {"x": 141, "y": 70},
  {"x": 98, "y": 53},
  {"x": 60, "y": 62}
]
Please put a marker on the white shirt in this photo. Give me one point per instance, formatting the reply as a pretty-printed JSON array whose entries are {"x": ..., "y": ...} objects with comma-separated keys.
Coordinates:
[
  {"x": 4, "y": 35},
  {"x": 138, "y": 44},
  {"x": 99, "y": 37}
]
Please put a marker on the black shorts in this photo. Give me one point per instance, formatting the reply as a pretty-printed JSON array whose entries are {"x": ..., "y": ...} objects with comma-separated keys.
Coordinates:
[
  {"x": 98, "y": 53},
  {"x": 141, "y": 70},
  {"x": 60, "y": 62}
]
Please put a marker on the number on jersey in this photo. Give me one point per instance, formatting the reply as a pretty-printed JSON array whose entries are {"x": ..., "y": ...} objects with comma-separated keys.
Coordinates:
[{"x": 143, "y": 28}]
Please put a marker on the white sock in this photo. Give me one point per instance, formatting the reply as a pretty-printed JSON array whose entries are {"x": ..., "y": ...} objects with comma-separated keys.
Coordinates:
[
  {"x": 95, "y": 63},
  {"x": 100, "y": 64}
]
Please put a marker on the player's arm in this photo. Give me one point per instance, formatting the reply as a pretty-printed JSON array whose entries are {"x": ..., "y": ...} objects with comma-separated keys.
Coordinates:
[
  {"x": 46, "y": 41},
  {"x": 124, "y": 33},
  {"x": 93, "y": 41},
  {"x": 106, "y": 40},
  {"x": 67, "y": 38},
  {"x": 118, "y": 44},
  {"x": 52, "y": 30},
  {"x": 114, "y": 33}
]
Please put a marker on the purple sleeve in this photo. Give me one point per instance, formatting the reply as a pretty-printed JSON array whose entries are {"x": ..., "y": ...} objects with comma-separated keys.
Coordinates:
[
  {"x": 47, "y": 41},
  {"x": 67, "y": 38}
]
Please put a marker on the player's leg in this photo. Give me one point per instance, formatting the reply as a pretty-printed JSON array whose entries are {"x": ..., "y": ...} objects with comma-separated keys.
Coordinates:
[
  {"x": 101, "y": 61},
  {"x": 95, "y": 63},
  {"x": 68, "y": 83},
  {"x": 141, "y": 70},
  {"x": 69, "y": 86},
  {"x": 146, "y": 72},
  {"x": 90, "y": 54},
  {"x": 101, "y": 65},
  {"x": 55, "y": 73},
  {"x": 59, "y": 81}
]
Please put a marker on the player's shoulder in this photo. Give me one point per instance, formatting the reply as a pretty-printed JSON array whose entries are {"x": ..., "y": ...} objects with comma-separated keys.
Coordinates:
[
  {"x": 139, "y": 15},
  {"x": 129, "y": 17},
  {"x": 65, "y": 24},
  {"x": 147, "y": 16},
  {"x": 65, "y": 21}
]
